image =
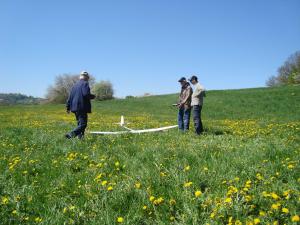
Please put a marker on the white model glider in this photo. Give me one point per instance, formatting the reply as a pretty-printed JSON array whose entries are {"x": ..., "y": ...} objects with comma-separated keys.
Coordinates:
[{"x": 128, "y": 130}]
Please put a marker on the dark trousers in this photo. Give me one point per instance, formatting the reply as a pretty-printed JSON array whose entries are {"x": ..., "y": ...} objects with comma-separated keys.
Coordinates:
[
  {"x": 184, "y": 116},
  {"x": 82, "y": 119},
  {"x": 197, "y": 118}
]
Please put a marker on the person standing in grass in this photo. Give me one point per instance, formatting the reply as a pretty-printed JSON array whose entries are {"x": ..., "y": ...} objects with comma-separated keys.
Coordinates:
[
  {"x": 184, "y": 105},
  {"x": 79, "y": 102},
  {"x": 197, "y": 103}
]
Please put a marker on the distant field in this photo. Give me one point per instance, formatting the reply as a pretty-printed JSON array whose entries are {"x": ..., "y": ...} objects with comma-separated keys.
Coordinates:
[{"x": 244, "y": 170}]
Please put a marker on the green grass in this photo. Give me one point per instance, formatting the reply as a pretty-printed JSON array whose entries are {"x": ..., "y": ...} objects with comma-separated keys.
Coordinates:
[{"x": 250, "y": 135}]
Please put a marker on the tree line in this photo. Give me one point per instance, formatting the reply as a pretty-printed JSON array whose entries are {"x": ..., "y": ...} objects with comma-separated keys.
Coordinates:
[
  {"x": 288, "y": 73},
  {"x": 16, "y": 98},
  {"x": 59, "y": 91}
]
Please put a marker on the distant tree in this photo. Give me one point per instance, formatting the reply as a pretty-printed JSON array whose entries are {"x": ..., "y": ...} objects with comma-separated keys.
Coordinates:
[
  {"x": 272, "y": 81},
  {"x": 288, "y": 73},
  {"x": 59, "y": 92},
  {"x": 103, "y": 90},
  {"x": 129, "y": 97},
  {"x": 16, "y": 98}
]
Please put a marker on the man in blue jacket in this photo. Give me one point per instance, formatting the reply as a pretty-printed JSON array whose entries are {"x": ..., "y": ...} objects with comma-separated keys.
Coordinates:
[{"x": 79, "y": 102}]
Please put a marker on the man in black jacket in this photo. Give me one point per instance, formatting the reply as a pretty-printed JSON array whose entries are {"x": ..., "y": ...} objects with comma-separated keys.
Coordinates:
[{"x": 79, "y": 102}]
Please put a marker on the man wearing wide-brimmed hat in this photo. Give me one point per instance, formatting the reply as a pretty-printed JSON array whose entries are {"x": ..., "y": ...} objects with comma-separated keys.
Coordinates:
[
  {"x": 79, "y": 102},
  {"x": 184, "y": 105}
]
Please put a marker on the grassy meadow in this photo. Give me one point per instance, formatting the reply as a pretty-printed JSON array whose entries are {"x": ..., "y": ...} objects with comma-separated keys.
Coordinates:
[{"x": 244, "y": 169}]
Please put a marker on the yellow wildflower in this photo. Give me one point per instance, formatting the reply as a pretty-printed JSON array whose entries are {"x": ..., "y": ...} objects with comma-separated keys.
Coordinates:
[
  {"x": 262, "y": 213},
  {"x": 259, "y": 176},
  {"x": 110, "y": 188},
  {"x": 120, "y": 220},
  {"x": 275, "y": 206},
  {"x": 188, "y": 184},
  {"x": 4, "y": 200},
  {"x": 274, "y": 196},
  {"x": 248, "y": 198},
  {"x": 285, "y": 210},
  {"x": 238, "y": 222},
  {"x": 198, "y": 193},
  {"x": 291, "y": 166},
  {"x": 187, "y": 168},
  {"x": 38, "y": 219},
  {"x": 137, "y": 185},
  {"x": 162, "y": 174},
  {"x": 256, "y": 221},
  {"x": 295, "y": 218},
  {"x": 158, "y": 201},
  {"x": 228, "y": 200}
]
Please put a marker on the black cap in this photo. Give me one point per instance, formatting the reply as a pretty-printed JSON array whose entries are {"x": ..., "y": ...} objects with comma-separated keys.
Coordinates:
[
  {"x": 193, "y": 78},
  {"x": 182, "y": 79}
]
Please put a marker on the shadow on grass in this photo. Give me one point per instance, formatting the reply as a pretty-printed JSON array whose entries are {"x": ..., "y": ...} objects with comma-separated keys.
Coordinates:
[{"x": 216, "y": 131}]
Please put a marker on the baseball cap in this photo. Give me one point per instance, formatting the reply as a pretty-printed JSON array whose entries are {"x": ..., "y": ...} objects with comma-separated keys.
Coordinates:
[
  {"x": 182, "y": 79},
  {"x": 84, "y": 73},
  {"x": 193, "y": 78}
]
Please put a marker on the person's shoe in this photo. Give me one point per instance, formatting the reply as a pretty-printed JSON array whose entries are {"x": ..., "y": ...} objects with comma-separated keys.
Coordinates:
[{"x": 68, "y": 136}]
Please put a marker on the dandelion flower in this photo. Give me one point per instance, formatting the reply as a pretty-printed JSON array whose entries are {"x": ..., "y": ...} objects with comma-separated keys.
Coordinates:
[
  {"x": 291, "y": 166},
  {"x": 198, "y": 193},
  {"x": 285, "y": 210},
  {"x": 158, "y": 201},
  {"x": 256, "y": 221},
  {"x": 38, "y": 219},
  {"x": 238, "y": 222},
  {"x": 262, "y": 213},
  {"x": 295, "y": 218},
  {"x": 188, "y": 184},
  {"x": 4, "y": 200},
  {"x": 274, "y": 196},
  {"x": 137, "y": 185},
  {"x": 228, "y": 200},
  {"x": 275, "y": 206},
  {"x": 187, "y": 168},
  {"x": 110, "y": 188},
  {"x": 248, "y": 198},
  {"x": 120, "y": 219}
]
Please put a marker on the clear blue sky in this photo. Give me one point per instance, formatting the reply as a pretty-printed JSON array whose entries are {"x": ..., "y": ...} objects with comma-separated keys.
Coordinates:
[{"x": 145, "y": 45}]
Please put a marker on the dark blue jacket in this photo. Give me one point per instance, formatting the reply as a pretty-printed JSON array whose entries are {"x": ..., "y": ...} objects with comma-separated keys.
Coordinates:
[{"x": 80, "y": 98}]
